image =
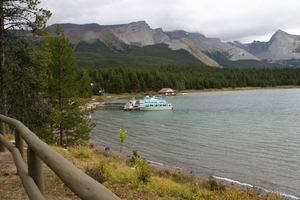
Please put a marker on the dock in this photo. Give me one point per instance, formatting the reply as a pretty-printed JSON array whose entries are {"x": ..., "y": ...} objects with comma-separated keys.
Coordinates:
[{"x": 113, "y": 104}]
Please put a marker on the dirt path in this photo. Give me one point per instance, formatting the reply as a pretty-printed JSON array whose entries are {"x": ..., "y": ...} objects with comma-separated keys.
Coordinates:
[{"x": 11, "y": 185}]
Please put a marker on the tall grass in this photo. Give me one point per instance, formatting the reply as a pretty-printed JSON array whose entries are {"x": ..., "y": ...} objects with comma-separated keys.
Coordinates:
[{"x": 115, "y": 173}]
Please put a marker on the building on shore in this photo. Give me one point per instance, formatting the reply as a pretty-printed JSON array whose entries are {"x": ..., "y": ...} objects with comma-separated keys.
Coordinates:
[{"x": 166, "y": 92}]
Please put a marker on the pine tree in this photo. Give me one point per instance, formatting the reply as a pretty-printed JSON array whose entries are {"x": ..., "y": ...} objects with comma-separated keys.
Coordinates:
[
  {"x": 15, "y": 16},
  {"x": 116, "y": 84},
  {"x": 134, "y": 81},
  {"x": 85, "y": 87},
  {"x": 70, "y": 117},
  {"x": 25, "y": 83}
]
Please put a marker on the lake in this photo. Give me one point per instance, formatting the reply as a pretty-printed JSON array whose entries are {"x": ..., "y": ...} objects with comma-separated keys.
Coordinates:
[{"x": 248, "y": 137}]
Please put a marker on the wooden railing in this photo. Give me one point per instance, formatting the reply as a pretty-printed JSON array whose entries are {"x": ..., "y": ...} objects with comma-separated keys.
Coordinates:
[{"x": 38, "y": 152}]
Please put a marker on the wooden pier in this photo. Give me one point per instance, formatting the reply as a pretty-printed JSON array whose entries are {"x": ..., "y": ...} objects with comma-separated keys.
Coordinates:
[{"x": 114, "y": 104}]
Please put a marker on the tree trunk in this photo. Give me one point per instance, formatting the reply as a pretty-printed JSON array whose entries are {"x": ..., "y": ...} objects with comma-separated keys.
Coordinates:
[
  {"x": 61, "y": 135},
  {"x": 2, "y": 66},
  {"x": 60, "y": 124},
  {"x": 2, "y": 76}
]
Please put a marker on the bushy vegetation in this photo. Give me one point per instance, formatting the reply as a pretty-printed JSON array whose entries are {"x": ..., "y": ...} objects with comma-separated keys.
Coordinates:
[
  {"x": 152, "y": 183},
  {"x": 143, "y": 171}
]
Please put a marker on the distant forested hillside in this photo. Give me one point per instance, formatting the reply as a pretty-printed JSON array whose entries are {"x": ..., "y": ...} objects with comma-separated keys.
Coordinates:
[
  {"x": 138, "y": 69},
  {"x": 99, "y": 55},
  {"x": 181, "y": 77}
]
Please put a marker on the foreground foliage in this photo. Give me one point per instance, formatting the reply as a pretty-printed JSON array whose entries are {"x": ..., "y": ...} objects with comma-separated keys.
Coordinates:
[
  {"x": 114, "y": 172},
  {"x": 18, "y": 15}
]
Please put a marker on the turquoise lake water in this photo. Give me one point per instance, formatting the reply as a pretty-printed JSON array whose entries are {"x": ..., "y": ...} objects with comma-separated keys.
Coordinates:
[{"x": 248, "y": 137}]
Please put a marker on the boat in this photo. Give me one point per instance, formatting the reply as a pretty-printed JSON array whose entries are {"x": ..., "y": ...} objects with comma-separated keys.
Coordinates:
[
  {"x": 132, "y": 105},
  {"x": 148, "y": 103}
]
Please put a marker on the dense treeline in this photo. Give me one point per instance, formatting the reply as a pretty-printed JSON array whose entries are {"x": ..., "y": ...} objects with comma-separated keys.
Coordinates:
[{"x": 180, "y": 77}]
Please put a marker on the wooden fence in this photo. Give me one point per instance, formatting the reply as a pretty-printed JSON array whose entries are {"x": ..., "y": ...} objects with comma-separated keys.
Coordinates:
[{"x": 38, "y": 152}]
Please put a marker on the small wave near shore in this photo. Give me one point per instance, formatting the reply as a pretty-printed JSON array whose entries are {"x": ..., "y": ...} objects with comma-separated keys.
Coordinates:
[
  {"x": 261, "y": 190},
  {"x": 227, "y": 181}
]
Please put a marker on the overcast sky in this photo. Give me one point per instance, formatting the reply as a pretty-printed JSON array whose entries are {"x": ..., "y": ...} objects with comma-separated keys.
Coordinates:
[{"x": 229, "y": 20}]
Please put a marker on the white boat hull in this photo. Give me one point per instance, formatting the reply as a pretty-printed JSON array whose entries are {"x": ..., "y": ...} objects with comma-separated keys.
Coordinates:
[{"x": 157, "y": 108}]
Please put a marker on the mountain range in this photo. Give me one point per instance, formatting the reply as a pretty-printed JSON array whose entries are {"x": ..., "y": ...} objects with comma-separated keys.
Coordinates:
[{"x": 97, "y": 45}]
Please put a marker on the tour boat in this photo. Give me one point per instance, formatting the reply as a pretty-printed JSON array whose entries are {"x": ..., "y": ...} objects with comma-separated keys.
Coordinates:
[{"x": 149, "y": 103}]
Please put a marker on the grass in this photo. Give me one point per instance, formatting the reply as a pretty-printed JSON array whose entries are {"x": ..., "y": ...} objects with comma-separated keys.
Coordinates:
[{"x": 114, "y": 172}]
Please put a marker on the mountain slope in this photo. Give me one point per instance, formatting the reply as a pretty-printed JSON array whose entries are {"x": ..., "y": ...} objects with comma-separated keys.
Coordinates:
[
  {"x": 99, "y": 43},
  {"x": 128, "y": 38},
  {"x": 198, "y": 54}
]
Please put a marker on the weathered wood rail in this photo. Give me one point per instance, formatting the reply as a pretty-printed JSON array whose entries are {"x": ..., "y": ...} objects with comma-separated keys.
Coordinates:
[{"x": 38, "y": 152}]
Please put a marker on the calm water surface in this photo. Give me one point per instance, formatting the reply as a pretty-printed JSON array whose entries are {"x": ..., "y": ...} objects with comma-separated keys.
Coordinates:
[{"x": 251, "y": 137}]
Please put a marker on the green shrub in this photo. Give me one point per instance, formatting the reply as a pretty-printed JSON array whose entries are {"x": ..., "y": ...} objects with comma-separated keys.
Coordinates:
[
  {"x": 132, "y": 161},
  {"x": 79, "y": 153},
  {"x": 213, "y": 185},
  {"x": 143, "y": 170},
  {"x": 96, "y": 174},
  {"x": 179, "y": 178}
]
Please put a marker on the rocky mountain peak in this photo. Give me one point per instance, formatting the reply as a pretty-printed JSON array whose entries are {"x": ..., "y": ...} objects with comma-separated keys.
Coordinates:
[
  {"x": 283, "y": 46},
  {"x": 279, "y": 34},
  {"x": 139, "y": 34},
  {"x": 180, "y": 34}
]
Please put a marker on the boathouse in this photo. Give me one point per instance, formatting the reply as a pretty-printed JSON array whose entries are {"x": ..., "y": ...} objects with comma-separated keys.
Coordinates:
[{"x": 166, "y": 91}]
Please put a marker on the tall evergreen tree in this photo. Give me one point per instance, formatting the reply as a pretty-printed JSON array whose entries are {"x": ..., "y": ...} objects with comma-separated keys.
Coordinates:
[
  {"x": 134, "y": 81},
  {"x": 25, "y": 84},
  {"x": 85, "y": 87},
  {"x": 70, "y": 117},
  {"x": 16, "y": 16},
  {"x": 116, "y": 84}
]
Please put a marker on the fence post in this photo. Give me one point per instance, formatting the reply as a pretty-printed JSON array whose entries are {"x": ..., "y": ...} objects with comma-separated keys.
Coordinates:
[
  {"x": 2, "y": 132},
  {"x": 19, "y": 143},
  {"x": 35, "y": 169}
]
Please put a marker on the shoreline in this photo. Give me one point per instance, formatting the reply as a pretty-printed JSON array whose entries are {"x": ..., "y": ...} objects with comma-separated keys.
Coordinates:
[
  {"x": 242, "y": 88},
  {"x": 198, "y": 176},
  {"x": 109, "y": 97}
]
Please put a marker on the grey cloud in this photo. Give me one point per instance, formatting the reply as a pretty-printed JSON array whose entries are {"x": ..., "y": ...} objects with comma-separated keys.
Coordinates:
[{"x": 228, "y": 20}]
